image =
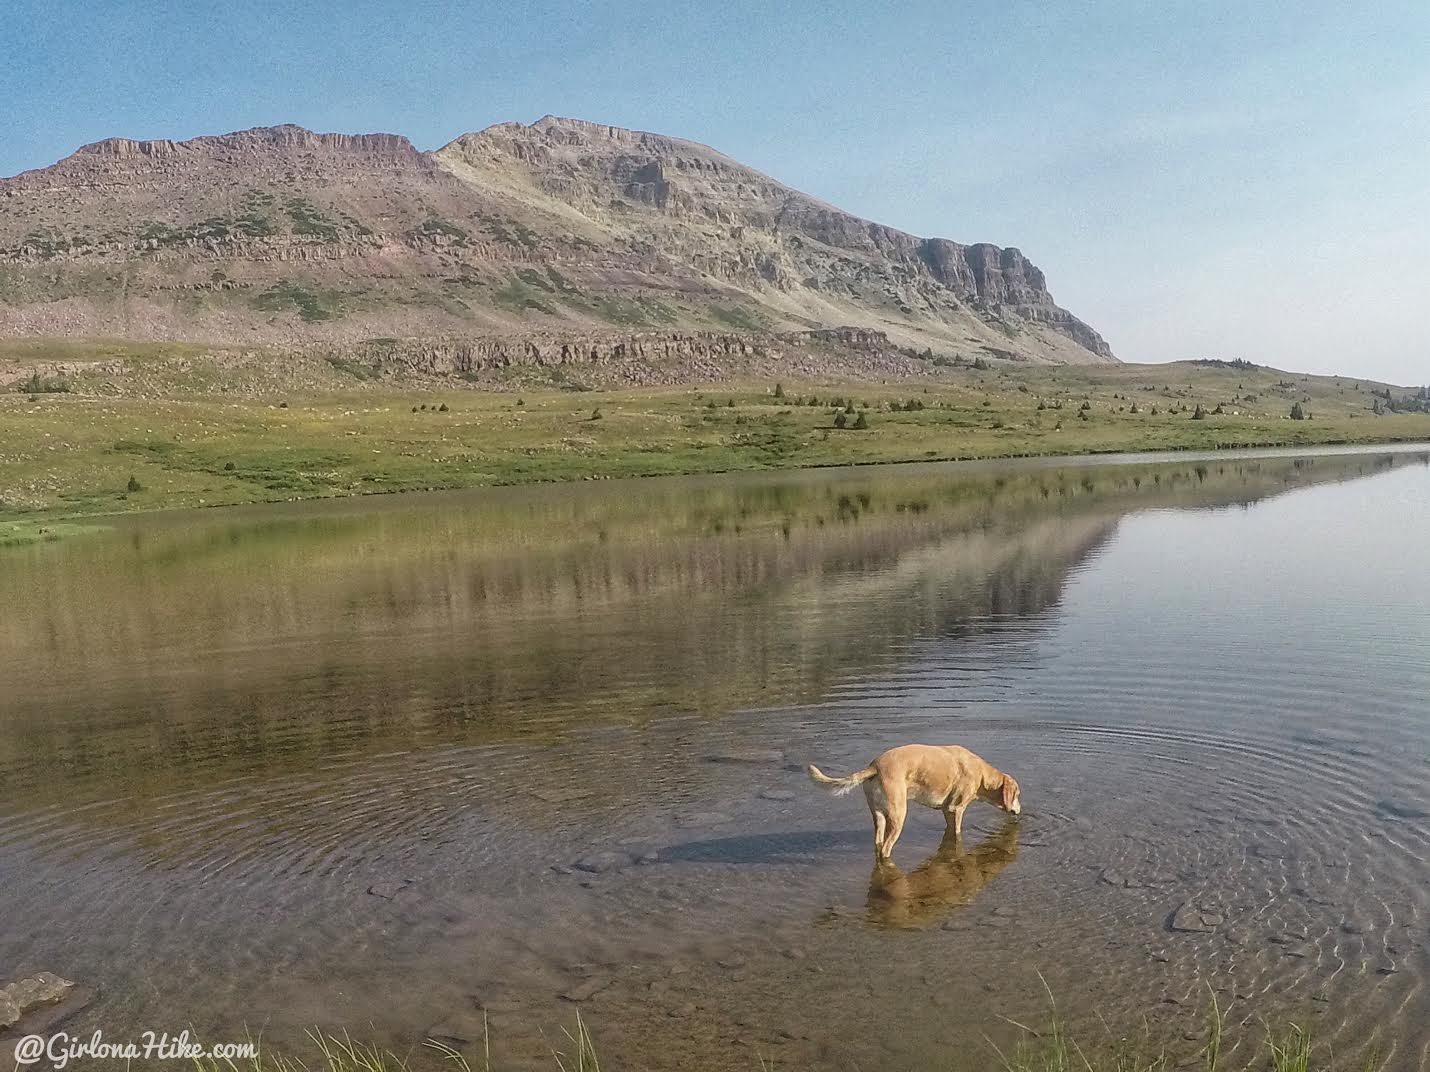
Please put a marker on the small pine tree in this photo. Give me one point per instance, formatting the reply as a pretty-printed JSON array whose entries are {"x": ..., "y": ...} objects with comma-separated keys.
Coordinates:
[
  {"x": 779, "y": 390},
  {"x": 442, "y": 408},
  {"x": 134, "y": 485},
  {"x": 596, "y": 414},
  {"x": 1199, "y": 414},
  {"x": 521, "y": 401},
  {"x": 860, "y": 422},
  {"x": 840, "y": 420},
  {"x": 1297, "y": 413},
  {"x": 729, "y": 403}
]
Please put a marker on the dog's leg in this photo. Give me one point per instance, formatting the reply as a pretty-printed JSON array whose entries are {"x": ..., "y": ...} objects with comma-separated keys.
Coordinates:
[
  {"x": 898, "y": 807},
  {"x": 874, "y": 797},
  {"x": 954, "y": 818}
]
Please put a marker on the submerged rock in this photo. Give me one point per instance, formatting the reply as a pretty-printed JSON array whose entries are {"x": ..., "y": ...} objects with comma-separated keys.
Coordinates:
[
  {"x": 702, "y": 818},
  {"x": 390, "y": 890},
  {"x": 777, "y": 794},
  {"x": 38, "y": 1002},
  {"x": 745, "y": 755},
  {"x": 587, "y": 988},
  {"x": 460, "y": 1030},
  {"x": 1191, "y": 918},
  {"x": 598, "y": 863},
  {"x": 1398, "y": 810}
]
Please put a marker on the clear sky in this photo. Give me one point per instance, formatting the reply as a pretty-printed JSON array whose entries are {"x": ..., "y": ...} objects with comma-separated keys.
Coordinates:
[{"x": 1198, "y": 179}]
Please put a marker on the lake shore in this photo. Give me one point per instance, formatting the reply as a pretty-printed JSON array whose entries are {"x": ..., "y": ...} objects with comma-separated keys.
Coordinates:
[{"x": 164, "y": 433}]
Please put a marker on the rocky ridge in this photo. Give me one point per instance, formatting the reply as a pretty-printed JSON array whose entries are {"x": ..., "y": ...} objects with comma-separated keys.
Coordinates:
[{"x": 282, "y": 236}]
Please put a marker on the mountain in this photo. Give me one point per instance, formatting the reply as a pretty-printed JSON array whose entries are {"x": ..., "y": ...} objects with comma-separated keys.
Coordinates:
[{"x": 280, "y": 236}]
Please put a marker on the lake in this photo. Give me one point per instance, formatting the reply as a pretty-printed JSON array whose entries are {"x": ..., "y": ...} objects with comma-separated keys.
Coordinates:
[{"x": 394, "y": 765}]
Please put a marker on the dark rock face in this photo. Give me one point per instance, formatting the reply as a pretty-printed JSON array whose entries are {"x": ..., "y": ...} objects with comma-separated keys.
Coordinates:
[{"x": 283, "y": 235}]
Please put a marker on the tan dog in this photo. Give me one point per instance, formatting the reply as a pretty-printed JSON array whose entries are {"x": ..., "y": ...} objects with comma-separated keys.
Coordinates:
[{"x": 946, "y": 777}]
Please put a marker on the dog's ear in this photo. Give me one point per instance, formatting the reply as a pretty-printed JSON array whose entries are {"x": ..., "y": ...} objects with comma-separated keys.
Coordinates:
[{"x": 1010, "y": 792}]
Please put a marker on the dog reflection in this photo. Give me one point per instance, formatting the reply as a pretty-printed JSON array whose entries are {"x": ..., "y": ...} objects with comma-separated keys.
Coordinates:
[{"x": 951, "y": 878}]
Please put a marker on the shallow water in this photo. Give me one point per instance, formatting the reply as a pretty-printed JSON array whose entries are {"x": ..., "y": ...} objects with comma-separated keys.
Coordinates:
[{"x": 333, "y": 763}]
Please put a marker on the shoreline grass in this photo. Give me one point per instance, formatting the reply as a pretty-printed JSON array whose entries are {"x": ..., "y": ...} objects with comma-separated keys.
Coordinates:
[
  {"x": 174, "y": 433},
  {"x": 1283, "y": 1047}
]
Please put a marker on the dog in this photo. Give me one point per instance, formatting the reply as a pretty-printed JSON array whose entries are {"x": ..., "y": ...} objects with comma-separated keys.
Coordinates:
[
  {"x": 945, "y": 777},
  {"x": 949, "y": 879}
]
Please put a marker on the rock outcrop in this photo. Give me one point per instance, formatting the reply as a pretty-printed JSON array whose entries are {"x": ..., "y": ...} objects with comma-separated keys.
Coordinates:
[{"x": 284, "y": 236}]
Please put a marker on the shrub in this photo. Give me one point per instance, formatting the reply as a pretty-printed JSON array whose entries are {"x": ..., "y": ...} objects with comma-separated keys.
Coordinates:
[
  {"x": 596, "y": 414},
  {"x": 134, "y": 485},
  {"x": 840, "y": 420},
  {"x": 442, "y": 408},
  {"x": 37, "y": 385},
  {"x": 861, "y": 422}
]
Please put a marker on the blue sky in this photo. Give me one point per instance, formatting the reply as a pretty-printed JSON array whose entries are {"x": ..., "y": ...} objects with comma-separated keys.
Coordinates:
[{"x": 1203, "y": 179}]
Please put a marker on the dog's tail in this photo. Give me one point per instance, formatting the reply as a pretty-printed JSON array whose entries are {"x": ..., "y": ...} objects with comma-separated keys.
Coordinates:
[{"x": 840, "y": 786}]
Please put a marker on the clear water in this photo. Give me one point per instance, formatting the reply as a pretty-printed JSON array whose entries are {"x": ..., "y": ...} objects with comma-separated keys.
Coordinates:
[{"x": 331, "y": 764}]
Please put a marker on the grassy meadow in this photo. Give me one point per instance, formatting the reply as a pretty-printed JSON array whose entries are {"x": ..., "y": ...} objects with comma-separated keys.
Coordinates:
[{"x": 112, "y": 427}]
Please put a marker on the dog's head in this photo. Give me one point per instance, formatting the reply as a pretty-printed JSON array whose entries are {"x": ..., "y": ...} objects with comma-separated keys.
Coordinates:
[{"x": 1005, "y": 794}]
